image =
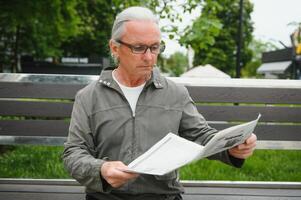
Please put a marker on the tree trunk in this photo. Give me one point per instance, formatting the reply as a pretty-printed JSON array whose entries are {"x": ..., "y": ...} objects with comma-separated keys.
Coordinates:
[
  {"x": 16, "y": 50},
  {"x": 2, "y": 50}
]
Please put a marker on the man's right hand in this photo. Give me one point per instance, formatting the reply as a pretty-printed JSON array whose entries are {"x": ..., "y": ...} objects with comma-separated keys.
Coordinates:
[{"x": 112, "y": 172}]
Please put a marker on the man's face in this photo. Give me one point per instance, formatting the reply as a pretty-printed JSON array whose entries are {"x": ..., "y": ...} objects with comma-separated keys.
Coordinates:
[{"x": 137, "y": 33}]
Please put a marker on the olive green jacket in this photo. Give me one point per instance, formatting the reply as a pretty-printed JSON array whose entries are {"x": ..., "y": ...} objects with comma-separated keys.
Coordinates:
[{"x": 103, "y": 127}]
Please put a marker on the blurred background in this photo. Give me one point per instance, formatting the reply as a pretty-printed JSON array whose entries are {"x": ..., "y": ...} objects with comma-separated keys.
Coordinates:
[{"x": 241, "y": 38}]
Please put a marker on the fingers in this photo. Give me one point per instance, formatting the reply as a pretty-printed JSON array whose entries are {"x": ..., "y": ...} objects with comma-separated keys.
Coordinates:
[
  {"x": 250, "y": 143},
  {"x": 240, "y": 152},
  {"x": 244, "y": 146},
  {"x": 112, "y": 172},
  {"x": 251, "y": 139},
  {"x": 242, "y": 155},
  {"x": 246, "y": 149}
]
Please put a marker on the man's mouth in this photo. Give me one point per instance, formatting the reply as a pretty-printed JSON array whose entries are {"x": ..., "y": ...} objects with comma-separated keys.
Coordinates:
[{"x": 148, "y": 66}]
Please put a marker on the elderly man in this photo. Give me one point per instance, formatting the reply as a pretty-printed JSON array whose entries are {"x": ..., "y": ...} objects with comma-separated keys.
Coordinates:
[{"x": 129, "y": 109}]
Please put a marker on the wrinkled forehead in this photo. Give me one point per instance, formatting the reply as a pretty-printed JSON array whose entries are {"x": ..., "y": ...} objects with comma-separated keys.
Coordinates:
[{"x": 142, "y": 30}]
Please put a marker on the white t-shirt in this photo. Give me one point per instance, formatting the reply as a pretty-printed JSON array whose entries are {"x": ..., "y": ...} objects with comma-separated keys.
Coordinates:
[{"x": 131, "y": 94}]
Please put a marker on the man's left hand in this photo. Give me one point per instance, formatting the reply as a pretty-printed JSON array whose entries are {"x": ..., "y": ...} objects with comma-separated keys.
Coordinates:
[{"x": 245, "y": 149}]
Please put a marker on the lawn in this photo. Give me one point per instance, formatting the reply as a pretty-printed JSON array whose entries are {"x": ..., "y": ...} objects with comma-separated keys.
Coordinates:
[{"x": 265, "y": 165}]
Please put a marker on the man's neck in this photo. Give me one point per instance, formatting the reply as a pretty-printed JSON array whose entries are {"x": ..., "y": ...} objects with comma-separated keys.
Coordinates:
[{"x": 129, "y": 80}]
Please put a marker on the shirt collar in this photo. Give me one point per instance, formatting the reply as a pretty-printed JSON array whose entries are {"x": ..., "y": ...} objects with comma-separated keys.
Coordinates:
[{"x": 106, "y": 78}]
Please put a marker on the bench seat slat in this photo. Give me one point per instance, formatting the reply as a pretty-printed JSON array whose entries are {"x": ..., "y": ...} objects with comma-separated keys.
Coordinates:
[
  {"x": 189, "y": 191},
  {"x": 243, "y": 191},
  {"x": 40, "y": 196},
  {"x": 59, "y": 191},
  {"x": 68, "y": 196},
  {"x": 235, "y": 197}
]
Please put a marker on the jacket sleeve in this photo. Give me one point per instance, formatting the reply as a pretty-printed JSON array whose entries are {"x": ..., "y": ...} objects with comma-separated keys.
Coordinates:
[
  {"x": 194, "y": 127},
  {"x": 79, "y": 155}
]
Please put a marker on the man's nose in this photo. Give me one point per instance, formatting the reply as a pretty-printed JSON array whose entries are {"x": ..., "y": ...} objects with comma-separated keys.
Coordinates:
[{"x": 148, "y": 54}]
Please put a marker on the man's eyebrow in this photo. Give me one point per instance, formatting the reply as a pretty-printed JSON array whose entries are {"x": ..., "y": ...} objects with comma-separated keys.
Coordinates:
[{"x": 142, "y": 44}]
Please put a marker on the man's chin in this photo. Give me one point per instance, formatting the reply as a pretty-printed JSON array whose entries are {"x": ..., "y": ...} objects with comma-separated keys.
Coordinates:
[{"x": 146, "y": 71}]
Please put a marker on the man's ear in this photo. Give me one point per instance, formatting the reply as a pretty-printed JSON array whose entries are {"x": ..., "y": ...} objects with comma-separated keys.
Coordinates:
[{"x": 114, "y": 48}]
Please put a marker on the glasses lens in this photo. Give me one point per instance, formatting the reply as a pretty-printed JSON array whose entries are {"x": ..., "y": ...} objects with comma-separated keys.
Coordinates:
[
  {"x": 139, "y": 49},
  {"x": 155, "y": 49}
]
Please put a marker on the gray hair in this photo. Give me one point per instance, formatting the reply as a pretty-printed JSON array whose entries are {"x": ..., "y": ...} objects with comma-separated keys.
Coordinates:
[{"x": 131, "y": 14}]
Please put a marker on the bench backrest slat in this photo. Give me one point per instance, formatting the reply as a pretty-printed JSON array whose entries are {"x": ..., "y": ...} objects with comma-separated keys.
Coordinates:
[
  {"x": 38, "y": 90},
  {"x": 245, "y": 95},
  {"x": 212, "y": 113},
  {"x": 271, "y": 132},
  {"x": 246, "y": 112},
  {"x": 35, "y": 108},
  {"x": 46, "y": 128},
  {"x": 59, "y": 128}
]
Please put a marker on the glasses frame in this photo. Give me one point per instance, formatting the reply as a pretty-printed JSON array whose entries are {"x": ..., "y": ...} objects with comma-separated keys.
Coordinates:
[{"x": 130, "y": 46}]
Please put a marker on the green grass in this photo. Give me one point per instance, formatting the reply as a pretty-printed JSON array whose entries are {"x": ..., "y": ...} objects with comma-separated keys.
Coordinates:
[
  {"x": 265, "y": 165},
  {"x": 32, "y": 162}
]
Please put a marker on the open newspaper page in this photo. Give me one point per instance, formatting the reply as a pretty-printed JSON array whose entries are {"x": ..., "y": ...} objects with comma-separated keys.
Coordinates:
[
  {"x": 173, "y": 152},
  {"x": 229, "y": 137},
  {"x": 170, "y": 153}
]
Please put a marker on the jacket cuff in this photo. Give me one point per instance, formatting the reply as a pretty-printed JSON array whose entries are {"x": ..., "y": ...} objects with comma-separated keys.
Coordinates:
[
  {"x": 226, "y": 158},
  {"x": 96, "y": 166},
  {"x": 236, "y": 162}
]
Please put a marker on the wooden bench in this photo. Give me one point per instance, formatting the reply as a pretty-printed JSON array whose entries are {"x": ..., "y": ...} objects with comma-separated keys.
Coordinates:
[
  {"x": 68, "y": 189},
  {"x": 35, "y": 109}
]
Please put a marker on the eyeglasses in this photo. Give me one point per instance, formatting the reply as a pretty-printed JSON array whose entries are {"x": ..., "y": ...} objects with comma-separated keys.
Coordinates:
[{"x": 141, "y": 49}]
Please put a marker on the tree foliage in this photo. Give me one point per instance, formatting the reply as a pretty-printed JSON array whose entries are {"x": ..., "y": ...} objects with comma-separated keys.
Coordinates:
[
  {"x": 257, "y": 47},
  {"x": 213, "y": 36},
  {"x": 53, "y": 28},
  {"x": 175, "y": 65},
  {"x": 35, "y": 27},
  {"x": 98, "y": 17}
]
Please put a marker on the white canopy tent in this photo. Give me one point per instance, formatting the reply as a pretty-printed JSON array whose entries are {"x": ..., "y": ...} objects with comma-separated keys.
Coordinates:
[{"x": 207, "y": 71}]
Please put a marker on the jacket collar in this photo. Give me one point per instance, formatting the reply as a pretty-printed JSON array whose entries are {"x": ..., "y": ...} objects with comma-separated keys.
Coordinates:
[{"x": 106, "y": 78}]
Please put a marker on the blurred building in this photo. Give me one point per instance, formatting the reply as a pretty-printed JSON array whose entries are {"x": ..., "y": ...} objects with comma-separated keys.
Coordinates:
[
  {"x": 92, "y": 65},
  {"x": 283, "y": 63},
  {"x": 280, "y": 64}
]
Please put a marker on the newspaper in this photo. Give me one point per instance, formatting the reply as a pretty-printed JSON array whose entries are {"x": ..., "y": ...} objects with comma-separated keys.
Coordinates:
[{"x": 173, "y": 152}]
